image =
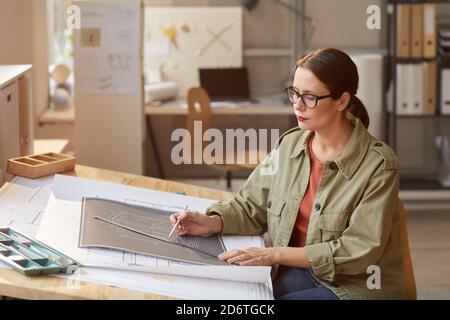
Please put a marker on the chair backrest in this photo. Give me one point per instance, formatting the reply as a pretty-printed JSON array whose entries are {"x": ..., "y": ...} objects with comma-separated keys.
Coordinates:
[
  {"x": 199, "y": 109},
  {"x": 410, "y": 282}
]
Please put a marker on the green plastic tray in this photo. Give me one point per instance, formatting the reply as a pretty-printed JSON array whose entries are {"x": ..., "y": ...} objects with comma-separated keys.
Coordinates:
[{"x": 32, "y": 257}]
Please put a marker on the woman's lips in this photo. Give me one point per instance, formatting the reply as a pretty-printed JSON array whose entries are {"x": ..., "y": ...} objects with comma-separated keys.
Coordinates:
[{"x": 301, "y": 119}]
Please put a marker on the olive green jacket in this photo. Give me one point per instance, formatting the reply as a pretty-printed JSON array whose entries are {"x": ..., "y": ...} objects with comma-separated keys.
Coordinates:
[{"x": 354, "y": 223}]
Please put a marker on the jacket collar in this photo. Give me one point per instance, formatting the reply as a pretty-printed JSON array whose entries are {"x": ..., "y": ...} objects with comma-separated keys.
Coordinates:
[{"x": 353, "y": 154}]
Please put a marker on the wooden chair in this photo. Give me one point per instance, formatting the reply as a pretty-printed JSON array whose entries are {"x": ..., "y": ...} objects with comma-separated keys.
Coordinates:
[
  {"x": 199, "y": 105},
  {"x": 410, "y": 282}
]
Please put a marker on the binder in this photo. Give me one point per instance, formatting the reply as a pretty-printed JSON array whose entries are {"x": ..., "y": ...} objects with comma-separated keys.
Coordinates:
[
  {"x": 402, "y": 99},
  {"x": 417, "y": 31},
  {"x": 429, "y": 88},
  {"x": 445, "y": 92},
  {"x": 429, "y": 30},
  {"x": 410, "y": 91},
  {"x": 415, "y": 89},
  {"x": 403, "y": 34}
]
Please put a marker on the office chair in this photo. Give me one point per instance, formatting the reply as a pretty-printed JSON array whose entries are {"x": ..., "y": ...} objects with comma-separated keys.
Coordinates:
[
  {"x": 410, "y": 282},
  {"x": 199, "y": 96}
]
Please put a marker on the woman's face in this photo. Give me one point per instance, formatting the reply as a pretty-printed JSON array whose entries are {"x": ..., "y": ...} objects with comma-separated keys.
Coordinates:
[{"x": 326, "y": 111}]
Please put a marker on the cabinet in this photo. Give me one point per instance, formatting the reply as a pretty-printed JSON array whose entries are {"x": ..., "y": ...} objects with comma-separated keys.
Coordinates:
[
  {"x": 413, "y": 99},
  {"x": 15, "y": 114}
]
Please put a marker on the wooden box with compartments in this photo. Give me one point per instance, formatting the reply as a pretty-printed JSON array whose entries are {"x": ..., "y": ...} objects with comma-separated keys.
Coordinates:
[{"x": 40, "y": 165}]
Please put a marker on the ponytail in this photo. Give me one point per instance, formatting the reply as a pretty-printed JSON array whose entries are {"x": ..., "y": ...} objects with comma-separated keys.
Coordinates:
[{"x": 357, "y": 109}]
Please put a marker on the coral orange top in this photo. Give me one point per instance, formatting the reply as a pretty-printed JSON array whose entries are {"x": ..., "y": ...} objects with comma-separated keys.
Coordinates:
[{"x": 298, "y": 238}]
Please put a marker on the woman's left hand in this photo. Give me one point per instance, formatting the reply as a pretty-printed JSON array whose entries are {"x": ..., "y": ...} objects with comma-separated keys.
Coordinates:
[{"x": 251, "y": 256}]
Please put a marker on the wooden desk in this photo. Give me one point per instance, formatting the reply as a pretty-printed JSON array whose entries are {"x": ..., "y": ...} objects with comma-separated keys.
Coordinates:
[
  {"x": 269, "y": 113},
  {"x": 50, "y": 145},
  {"x": 14, "y": 284},
  {"x": 265, "y": 107}
]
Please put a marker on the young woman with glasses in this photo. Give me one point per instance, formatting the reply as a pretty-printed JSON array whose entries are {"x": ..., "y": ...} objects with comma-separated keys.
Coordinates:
[{"x": 330, "y": 207}]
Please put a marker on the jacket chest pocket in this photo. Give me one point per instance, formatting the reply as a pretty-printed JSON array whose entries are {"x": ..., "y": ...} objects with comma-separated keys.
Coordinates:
[
  {"x": 333, "y": 224},
  {"x": 275, "y": 206}
]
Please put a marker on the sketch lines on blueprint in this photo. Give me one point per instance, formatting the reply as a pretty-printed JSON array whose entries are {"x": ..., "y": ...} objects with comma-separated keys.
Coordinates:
[
  {"x": 121, "y": 226},
  {"x": 22, "y": 203}
]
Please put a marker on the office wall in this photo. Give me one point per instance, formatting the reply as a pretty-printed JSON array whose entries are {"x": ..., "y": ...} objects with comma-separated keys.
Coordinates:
[
  {"x": 267, "y": 26},
  {"x": 15, "y": 37},
  {"x": 23, "y": 39},
  {"x": 342, "y": 24}
]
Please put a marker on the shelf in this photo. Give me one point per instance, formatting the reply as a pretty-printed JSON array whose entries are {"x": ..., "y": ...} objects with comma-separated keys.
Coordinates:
[
  {"x": 419, "y": 116},
  {"x": 417, "y": 184},
  {"x": 418, "y": 1},
  {"x": 420, "y": 187},
  {"x": 400, "y": 60},
  {"x": 354, "y": 51},
  {"x": 53, "y": 116},
  {"x": 267, "y": 52},
  {"x": 9, "y": 73}
]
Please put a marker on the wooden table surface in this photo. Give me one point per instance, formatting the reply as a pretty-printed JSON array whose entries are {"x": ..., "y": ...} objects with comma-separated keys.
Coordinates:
[
  {"x": 14, "y": 284},
  {"x": 265, "y": 106}
]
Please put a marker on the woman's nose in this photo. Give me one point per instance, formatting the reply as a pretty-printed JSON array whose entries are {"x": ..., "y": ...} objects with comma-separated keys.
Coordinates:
[{"x": 299, "y": 105}]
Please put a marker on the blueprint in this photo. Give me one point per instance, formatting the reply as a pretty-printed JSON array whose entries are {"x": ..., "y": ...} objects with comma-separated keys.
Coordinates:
[
  {"x": 24, "y": 201},
  {"x": 121, "y": 226},
  {"x": 61, "y": 223}
]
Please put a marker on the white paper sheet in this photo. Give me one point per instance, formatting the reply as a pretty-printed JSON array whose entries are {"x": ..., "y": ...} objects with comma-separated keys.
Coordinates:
[
  {"x": 23, "y": 202},
  {"x": 61, "y": 224},
  {"x": 174, "y": 286},
  {"x": 21, "y": 191}
]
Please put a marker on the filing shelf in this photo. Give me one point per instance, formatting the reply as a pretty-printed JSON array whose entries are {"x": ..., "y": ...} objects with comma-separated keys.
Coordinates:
[{"x": 392, "y": 116}]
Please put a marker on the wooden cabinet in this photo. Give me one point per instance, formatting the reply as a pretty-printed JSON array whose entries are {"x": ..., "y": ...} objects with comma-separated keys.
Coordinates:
[{"x": 15, "y": 114}]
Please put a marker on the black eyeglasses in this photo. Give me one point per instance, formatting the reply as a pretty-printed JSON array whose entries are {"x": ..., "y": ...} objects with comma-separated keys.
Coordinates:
[{"x": 309, "y": 100}]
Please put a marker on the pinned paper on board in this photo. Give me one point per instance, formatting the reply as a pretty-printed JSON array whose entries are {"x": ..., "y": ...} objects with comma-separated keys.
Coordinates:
[
  {"x": 90, "y": 37},
  {"x": 171, "y": 33},
  {"x": 107, "y": 49}
]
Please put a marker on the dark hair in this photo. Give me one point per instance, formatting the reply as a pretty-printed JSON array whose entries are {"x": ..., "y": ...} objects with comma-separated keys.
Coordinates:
[{"x": 339, "y": 73}]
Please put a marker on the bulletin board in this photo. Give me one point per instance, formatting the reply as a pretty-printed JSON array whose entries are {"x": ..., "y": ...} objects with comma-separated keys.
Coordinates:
[{"x": 179, "y": 40}]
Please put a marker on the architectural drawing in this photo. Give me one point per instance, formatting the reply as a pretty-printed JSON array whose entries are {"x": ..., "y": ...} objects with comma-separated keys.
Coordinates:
[{"x": 117, "y": 225}]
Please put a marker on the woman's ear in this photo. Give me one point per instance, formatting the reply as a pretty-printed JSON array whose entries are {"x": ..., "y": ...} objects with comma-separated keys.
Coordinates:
[{"x": 343, "y": 101}]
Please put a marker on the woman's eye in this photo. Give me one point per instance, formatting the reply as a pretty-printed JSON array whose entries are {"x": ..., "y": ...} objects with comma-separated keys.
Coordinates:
[
  {"x": 294, "y": 94},
  {"x": 309, "y": 97}
]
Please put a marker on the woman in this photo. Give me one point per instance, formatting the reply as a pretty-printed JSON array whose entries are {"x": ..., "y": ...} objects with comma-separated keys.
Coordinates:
[{"x": 330, "y": 205}]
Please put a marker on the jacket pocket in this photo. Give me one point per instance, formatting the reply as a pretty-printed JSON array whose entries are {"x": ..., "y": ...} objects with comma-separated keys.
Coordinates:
[
  {"x": 333, "y": 224},
  {"x": 275, "y": 206}
]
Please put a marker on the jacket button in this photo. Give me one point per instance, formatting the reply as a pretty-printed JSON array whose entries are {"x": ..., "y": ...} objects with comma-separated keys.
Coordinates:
[
  {"x": 317, "y": 206},
  {"x": 333, "y": 166},
  {"x": 378, "y": 144},
  {"x": 269, "y": 204}
]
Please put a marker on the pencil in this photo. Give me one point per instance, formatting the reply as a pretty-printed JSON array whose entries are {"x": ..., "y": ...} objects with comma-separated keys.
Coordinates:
[{"x": 177, "y": 223}]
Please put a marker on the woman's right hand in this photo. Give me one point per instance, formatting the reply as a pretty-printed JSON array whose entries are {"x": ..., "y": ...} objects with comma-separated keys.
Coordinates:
[{"x": 196, "y": 224}]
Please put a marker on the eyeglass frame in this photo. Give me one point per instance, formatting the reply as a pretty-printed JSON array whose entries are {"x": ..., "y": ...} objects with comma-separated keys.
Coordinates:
[{"x": 300, "y": 97}]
